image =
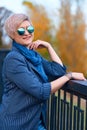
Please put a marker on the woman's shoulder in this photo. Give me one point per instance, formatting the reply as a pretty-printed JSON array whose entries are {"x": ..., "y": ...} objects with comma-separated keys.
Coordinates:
[{"x": 14, "y": 55}]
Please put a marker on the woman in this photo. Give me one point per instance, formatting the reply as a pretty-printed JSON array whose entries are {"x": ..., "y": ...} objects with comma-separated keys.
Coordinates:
[{"x": 28, "y": 78}]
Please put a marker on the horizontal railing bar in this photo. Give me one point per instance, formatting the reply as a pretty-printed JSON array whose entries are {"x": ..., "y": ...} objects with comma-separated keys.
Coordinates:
[{"x": 76, "y": 87}]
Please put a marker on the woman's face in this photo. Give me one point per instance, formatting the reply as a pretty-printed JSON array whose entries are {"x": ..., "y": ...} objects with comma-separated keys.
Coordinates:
[{"x": 27, "y": 37}]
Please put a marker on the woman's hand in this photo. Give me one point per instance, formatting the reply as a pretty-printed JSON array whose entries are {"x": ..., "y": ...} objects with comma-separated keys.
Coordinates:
[
  {"x": 43, "y": 44},
  {"x": 75, "y": 75},
  {"x": 58, "y": 83},
  {"x": 78, "y": 76},
  {"x": 39, "y": 44}
]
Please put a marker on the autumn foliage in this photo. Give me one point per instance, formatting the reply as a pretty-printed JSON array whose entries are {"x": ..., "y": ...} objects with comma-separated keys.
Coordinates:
[
  {"x": 69, "y": 41},
  {"x": 71, "y": 38}
]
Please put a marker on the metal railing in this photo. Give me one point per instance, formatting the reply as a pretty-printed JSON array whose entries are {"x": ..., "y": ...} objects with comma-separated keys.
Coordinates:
[{"x": 67, "y": 109}]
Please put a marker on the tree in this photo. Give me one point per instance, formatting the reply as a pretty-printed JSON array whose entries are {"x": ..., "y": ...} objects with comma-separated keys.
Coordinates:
[{"x": 71, "y": 37}]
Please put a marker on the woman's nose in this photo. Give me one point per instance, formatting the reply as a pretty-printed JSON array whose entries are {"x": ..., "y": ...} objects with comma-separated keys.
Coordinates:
[{"x": 26, "y": 32}]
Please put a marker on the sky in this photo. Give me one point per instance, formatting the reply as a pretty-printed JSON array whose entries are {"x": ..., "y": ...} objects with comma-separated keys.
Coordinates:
[
  {"x": 13, "y": 5},
  {"x": 16, "y": 5},
  {"x": 50, "y": 5}
]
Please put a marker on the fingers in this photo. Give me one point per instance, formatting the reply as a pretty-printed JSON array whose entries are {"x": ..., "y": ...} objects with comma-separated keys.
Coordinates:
[
  {"x": 38, "y": 44},
  {"x": 34, "y": 45},
  {"x": 78, "y": 76}
]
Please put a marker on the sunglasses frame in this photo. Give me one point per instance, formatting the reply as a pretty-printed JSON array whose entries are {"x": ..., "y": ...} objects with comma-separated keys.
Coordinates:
[{"x": 21, "y": 30}]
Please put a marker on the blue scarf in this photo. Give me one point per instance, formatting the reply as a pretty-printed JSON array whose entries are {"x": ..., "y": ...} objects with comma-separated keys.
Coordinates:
[{"x": 33, "y": 57}]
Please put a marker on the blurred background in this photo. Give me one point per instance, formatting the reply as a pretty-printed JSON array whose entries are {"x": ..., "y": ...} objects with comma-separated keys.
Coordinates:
[{"x": 63, "y": 23}]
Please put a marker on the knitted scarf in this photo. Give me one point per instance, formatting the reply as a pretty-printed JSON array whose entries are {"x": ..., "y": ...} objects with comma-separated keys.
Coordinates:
[{"x": 33, "y": 57}]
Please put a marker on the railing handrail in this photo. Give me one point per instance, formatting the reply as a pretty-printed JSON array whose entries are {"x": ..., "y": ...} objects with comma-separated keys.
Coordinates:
[{"x": 77, "y": 87}]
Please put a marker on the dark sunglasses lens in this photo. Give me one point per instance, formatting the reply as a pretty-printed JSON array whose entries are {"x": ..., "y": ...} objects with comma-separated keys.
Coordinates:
[
  {"x": 30, "y": 29},
  {"x": 21, "y": 31}
]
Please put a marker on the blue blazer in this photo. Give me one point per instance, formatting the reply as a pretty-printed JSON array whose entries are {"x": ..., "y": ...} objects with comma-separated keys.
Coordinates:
[{"x": 25, "y": 91}]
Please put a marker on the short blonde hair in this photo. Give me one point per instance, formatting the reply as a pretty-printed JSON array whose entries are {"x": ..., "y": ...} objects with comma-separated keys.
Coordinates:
[{"x": 13, "y": 22}]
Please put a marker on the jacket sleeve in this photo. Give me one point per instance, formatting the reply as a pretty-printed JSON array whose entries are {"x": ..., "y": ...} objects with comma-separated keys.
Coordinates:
[
  {"x": 53, "y": 69},
  {"x": 18, "y": 73}
]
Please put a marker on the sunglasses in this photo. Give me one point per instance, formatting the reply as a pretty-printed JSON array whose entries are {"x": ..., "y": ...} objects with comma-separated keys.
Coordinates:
[{"x": 21, "y": 31}]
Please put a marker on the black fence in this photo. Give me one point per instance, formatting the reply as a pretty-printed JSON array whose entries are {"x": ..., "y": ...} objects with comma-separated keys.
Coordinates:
[
  {"x": 3, "y": 53},
  {"x": 67, "y": 109}
]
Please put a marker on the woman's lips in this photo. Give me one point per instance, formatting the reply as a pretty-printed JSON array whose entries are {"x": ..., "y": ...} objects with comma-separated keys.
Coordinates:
[{"x": 28, "y": 37}]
